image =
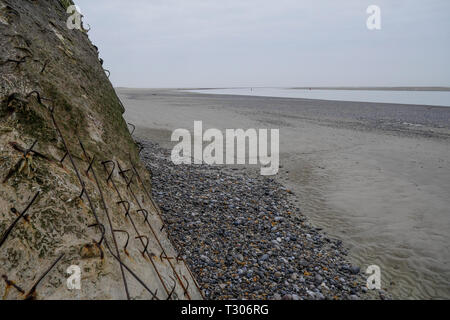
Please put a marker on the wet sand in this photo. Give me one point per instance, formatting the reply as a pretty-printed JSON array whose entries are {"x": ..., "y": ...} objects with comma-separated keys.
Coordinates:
[{"x": 374, "y": 175}]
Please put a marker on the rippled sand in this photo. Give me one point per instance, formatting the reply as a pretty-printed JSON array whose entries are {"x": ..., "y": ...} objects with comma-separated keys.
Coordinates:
[{"x": 374, "y": 175}]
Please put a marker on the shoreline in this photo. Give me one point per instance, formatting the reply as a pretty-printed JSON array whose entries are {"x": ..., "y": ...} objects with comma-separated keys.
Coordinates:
[
  {"x": 359, "y": 171},
  {"x": 243, "y": 236},
  {"x": 425, "y": 98},
  {"x": 395, "y": 88}
]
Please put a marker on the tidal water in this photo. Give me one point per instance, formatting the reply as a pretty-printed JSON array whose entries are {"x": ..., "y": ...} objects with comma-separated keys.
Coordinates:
[{"x": 432, "y": 98}]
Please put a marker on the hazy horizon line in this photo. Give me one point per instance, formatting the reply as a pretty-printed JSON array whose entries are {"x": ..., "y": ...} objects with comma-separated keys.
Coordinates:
[{"x": 381, "y": 88}]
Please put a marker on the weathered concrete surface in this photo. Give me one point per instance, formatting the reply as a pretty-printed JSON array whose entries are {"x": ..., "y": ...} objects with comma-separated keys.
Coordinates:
[{"x": 44, "y": 66}]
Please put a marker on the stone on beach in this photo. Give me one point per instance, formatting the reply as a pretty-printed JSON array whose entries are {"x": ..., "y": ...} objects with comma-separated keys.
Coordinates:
[{"x": 244, "y": 237}]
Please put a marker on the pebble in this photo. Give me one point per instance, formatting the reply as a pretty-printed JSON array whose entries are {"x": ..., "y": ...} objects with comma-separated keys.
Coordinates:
[
  {"x": 355, "y": 269},
  {"x": 295, "y": 297},
  {"x": 243, "y": 235},
  {"x": 318, "y": 278},
  {"x": 264, "y": 257}
]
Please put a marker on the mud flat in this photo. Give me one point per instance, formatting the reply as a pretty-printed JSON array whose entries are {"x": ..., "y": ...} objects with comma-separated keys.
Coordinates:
[{"x": 375, "y": 176}]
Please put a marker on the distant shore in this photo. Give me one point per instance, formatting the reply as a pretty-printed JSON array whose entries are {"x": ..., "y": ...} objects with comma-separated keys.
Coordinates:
[
  {"x": 374, "y": 175},
  {"x": 377, "y": 88},
  {"x": 417, "y": 88}
]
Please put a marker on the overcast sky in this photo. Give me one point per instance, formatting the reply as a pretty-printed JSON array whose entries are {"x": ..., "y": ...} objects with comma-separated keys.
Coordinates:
[{"x": 220, "y": 43}]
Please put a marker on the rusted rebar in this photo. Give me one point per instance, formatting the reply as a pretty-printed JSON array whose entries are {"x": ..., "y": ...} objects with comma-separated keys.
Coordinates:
[
  {"x": 138, "y": 176},
  {"x": 126, "y": 243},
  {"x": 148, "y": 223},
  {"x": 92, "y": 206},
  {"x": 10, "y": 283},
  {"x": 134, "y": 128},
  {"x": 173, "y": 288},
  {"x": 45, "y": 66},
  {"x": 11, "y": 227},
  {"x": 158, "y": 211},
  {"x": 38, "y": 95},
  {"x": 127, "y": 214},
  {"x": 90, "y": 166},
  {"x": 110, "y": 173},
  {"x": 19, "y": 163},
  {"x": 31, "y": 293},
  {"x": 21, "y": 149},
  {"x": 102, "y": 229},
  {"x": 145, "y": 213},
  {"x": 143, "y": 252},
  {"x": 106, "y": 212},
  {"x": 63, "y": 158},
  {"x": 187, "y": 285},
  {"x": 126, "y": 206}
]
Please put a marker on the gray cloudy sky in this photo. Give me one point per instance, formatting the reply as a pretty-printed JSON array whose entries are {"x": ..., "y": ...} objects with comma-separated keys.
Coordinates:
[{"x": 219, "y": 43}]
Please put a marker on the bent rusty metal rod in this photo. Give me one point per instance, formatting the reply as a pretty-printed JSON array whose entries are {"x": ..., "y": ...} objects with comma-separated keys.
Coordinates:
[
  {"x": 17, "y": 165},
  {"x": 146, "y": 244},
  {"x": 11, "y": 227},
  {"x": 102, "y": 227},
  {"x": 163, "y": 252},
  {"x": 21, "y": 149},
  {"x": 126, "y": 206},
  {"x": 134, "y": 128},
  {"x": 30, "y": 294},
  {"x": 128, "y": 239},
  {"x": 91, "y": 168},
  {"x": 38, "y": 96},
  {"x": 187, "y": 282},
  {"x": 99, "y": 243},
  {"x": 150, "y": 226},
  {"x": 173, "y": 289},
  {"x": 158, "y": 211},
  {"x": 68, "y": 153},
  {"x": 45, "y": 66},
  {"x": 155, "y": 206},
  {"x": 112, "y": 171},
  {"x": 92, "y": 206},
  {"x": 145, "y": 190},
  {"x": 145, "y": 213},
  {"x": 10, "y": 283}
]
